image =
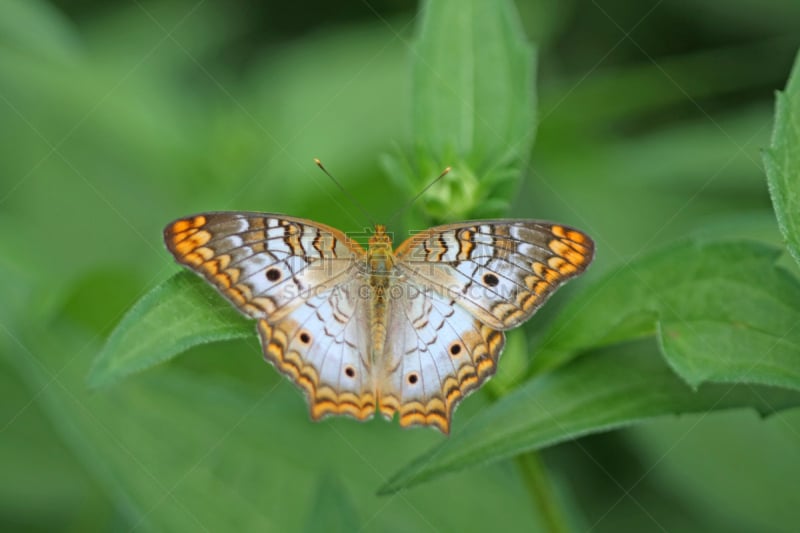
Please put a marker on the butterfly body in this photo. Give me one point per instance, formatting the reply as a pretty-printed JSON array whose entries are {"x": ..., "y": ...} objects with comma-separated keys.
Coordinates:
[
  {"x": 380, "y": 263},
  {"x": 409, "y": 331}
]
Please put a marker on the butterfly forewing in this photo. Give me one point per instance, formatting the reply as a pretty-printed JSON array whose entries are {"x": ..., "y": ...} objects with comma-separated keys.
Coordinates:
[
  {"x": 500, "y": 271},
  {"x": 264, "y": 264}
]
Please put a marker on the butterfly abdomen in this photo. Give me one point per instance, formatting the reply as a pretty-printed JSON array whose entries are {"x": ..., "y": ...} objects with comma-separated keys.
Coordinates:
[
  {"x": 379, "y": 293},
  {"x": 380, "y": 265}
]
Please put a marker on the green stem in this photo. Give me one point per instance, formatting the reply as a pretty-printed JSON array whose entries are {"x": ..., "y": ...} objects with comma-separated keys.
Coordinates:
[
  {"x": 540, "y": 488},
  {"x": 542, "y": 492}
]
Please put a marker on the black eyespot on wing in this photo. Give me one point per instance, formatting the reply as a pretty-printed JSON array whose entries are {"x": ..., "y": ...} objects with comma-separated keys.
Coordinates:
[{"x": 490, "y": 279}]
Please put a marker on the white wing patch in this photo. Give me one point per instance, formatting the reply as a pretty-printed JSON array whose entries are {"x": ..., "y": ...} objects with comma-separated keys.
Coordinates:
[
  {"x": 436, "y": 353},
  {"x": 324, "y": 347}
]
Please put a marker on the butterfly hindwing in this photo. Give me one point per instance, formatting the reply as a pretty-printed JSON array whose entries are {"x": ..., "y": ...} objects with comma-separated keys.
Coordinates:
[
  {"x": 323, "y": 346},
  {"x": 436, "y": 353},
  {"x": 501, "y": 271}
]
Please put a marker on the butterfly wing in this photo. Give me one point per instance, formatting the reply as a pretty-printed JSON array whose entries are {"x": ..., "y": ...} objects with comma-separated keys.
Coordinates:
[
  {"x": 501, "y": 271},
  {"x": 264, "y": 264},
  {"x": 462, "y": 285},
  {"x": 436, "y": 353},
  {"x": 300, "y": 279},
  {"x": 323, "y": 346}
]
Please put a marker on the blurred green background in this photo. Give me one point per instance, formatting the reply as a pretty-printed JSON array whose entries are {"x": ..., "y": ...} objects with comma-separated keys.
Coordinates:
[{"x": 117, "y": 117}]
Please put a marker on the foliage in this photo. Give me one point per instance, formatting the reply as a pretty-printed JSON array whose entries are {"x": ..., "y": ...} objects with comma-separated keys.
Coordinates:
[
  {"x": 783, "y": 160},
  {"x": 134, "y": 397}
]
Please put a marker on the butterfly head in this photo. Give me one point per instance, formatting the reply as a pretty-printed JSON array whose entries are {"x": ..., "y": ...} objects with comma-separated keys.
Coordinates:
[{"x": 380, "y": 256}]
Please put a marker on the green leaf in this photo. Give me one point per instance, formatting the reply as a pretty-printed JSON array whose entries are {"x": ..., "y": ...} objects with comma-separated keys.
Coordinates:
[
  {"x": 473, "y": 74},
  {"x": 597, "y": 392},
  {"x": 722, "y": 312},
  {"x": 782, "y": 162},
  {"x": 181, "y": 312},
  {"x": 473, "y": 107}
]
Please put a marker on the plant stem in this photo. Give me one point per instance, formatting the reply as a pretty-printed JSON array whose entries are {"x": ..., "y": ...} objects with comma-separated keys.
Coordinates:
[
  {"x": 540, "y": 488},
  {"x": 541, "y": 492}
]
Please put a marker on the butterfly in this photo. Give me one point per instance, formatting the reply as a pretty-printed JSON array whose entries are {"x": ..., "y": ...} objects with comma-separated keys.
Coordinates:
[{"x": 410, "y": 331}]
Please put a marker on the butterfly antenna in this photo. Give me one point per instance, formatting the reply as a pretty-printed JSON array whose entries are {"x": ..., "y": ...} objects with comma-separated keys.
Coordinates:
[
  {"x": 346, "y": 192},
  {"x": 418, "y": 196}
]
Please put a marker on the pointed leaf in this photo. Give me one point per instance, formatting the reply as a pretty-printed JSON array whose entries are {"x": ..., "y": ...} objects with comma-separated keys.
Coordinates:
[
  {"x": 182, "y": 312},
  {"x": 473, "y": 108},
  {"x": 722, "y": 312},
  {"x": 473, "y": 80},
  {"x": 782, "y": 162},
  {"x": 594, "y": 393}
]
